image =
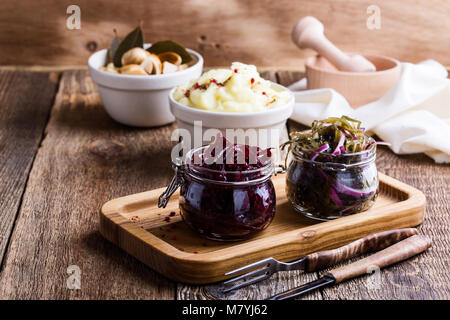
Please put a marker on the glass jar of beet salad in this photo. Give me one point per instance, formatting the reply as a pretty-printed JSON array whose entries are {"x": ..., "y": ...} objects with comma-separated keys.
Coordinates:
[
  {"x": 332, "y": 172},
  {"x": 225, "y": 192}
]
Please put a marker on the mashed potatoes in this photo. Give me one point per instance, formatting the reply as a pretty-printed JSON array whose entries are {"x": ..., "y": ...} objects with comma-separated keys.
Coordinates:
[{"x": 238, "y": 89}]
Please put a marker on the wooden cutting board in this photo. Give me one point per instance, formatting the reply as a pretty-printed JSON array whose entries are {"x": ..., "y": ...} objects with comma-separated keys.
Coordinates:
[{"x": 160, "y": 239}]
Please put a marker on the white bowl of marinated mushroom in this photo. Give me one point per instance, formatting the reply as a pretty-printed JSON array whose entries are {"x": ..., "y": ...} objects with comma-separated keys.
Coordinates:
[{"x": 134, "y": 79}]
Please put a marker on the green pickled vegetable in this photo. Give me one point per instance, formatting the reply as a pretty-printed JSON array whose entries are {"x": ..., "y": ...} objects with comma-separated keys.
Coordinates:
[
  {"x": 336, "y": 133},
  {"x": 333, "y": 171}
]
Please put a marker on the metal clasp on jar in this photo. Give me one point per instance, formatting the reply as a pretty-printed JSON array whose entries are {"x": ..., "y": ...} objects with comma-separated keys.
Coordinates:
[
  {"x": 279, "y": 169},
  {"x": 175, "y": 183}
]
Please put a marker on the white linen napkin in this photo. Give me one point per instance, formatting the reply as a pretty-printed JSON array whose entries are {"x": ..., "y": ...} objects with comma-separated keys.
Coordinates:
[{"x": 414, "y": 115}]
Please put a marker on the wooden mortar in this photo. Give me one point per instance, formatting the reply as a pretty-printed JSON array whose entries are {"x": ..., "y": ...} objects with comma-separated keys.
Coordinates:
[{"x": 359, "y": 88}]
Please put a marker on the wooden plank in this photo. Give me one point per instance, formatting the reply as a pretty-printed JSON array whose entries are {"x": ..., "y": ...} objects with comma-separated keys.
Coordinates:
[
  {"x": 406, "y": 280},
  {"x": 61, "y": 68},
  {"x": 248, "y": 31},
  {"x": 25, "y": 102},
  {"x": 425, "y": 276},
  {"x": 58, "y": 217},
  {"x": 168, "y": 245},
  {"x": 279, "y": 282},
  {"x": 85, "y": 160}
]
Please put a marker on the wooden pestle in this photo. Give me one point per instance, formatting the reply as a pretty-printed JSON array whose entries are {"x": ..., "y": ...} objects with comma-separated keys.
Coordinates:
[{"x": 308, "y": 33}]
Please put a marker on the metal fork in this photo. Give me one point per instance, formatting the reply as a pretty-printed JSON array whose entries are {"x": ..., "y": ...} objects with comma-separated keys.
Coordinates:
[
  {"x": 271, "y": 266},
  {"x": 315, "y": 261}
]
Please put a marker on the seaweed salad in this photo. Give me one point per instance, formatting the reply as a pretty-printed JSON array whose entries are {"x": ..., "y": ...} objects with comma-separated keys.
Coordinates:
[{"x": 333, "y": 170}]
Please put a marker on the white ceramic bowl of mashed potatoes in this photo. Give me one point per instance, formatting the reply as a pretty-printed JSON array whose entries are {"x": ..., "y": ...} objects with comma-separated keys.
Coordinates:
[
  {"x": 235, "y": 98},
  {"x": 138, "y": 100}
]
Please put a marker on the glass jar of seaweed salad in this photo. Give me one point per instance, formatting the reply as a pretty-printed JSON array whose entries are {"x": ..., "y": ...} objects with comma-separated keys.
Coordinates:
[
  {"x": 332, "y": 172},
  {"x": 225, "y": 192}
]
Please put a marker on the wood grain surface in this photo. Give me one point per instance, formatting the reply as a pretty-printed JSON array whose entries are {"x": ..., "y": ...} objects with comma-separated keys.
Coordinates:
[
  {"x": 85, "y": 159},
  {"x": 396, "y": 253},
  {"x": 264, "y": 289},
  {"x": 25, "y": 104},
  {"x": 374, "y": 242},
  {"x": 405, "y": 280},
  {"x": 35, "y": 32},
  {"x": 166, "y": 244}
]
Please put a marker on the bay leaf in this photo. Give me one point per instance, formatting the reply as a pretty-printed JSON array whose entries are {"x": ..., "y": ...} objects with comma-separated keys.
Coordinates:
[
  {"x": 112, "y": 49},
  {"x": 132, "y": 40},
  {"x": 169, "y": 45}
]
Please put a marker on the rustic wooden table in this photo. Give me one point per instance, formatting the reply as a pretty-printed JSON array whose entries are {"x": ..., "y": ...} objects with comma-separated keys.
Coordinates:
[{"x": 62, "y": 157}]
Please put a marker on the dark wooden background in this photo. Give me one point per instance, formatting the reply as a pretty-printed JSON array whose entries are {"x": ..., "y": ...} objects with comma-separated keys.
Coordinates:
[
  {"x": 62, "y": 157},
  {"x": 252, "y": 31}
]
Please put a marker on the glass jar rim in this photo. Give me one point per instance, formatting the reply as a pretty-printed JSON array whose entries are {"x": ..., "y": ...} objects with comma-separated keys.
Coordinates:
[
  {"x": 371, "y": 148},
  {"x": 179, "y": 165},
  {"x": 195, "y": 170},
  {"x": 355, "y": 158}
]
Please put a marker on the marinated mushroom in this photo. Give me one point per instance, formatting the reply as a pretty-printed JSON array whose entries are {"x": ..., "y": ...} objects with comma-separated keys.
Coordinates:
[
  {"x": 157, "y": 65},
  {"x": 172, "y": 57},
  {"x": 128, "y": 56},
  {"x": 147, "y": 65},
  {"x": 109, "y": 68},
  {"x": 169, "y": 67},
  {"x": 134, "y": 56},
  {"x": 133, "y": 69}
]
